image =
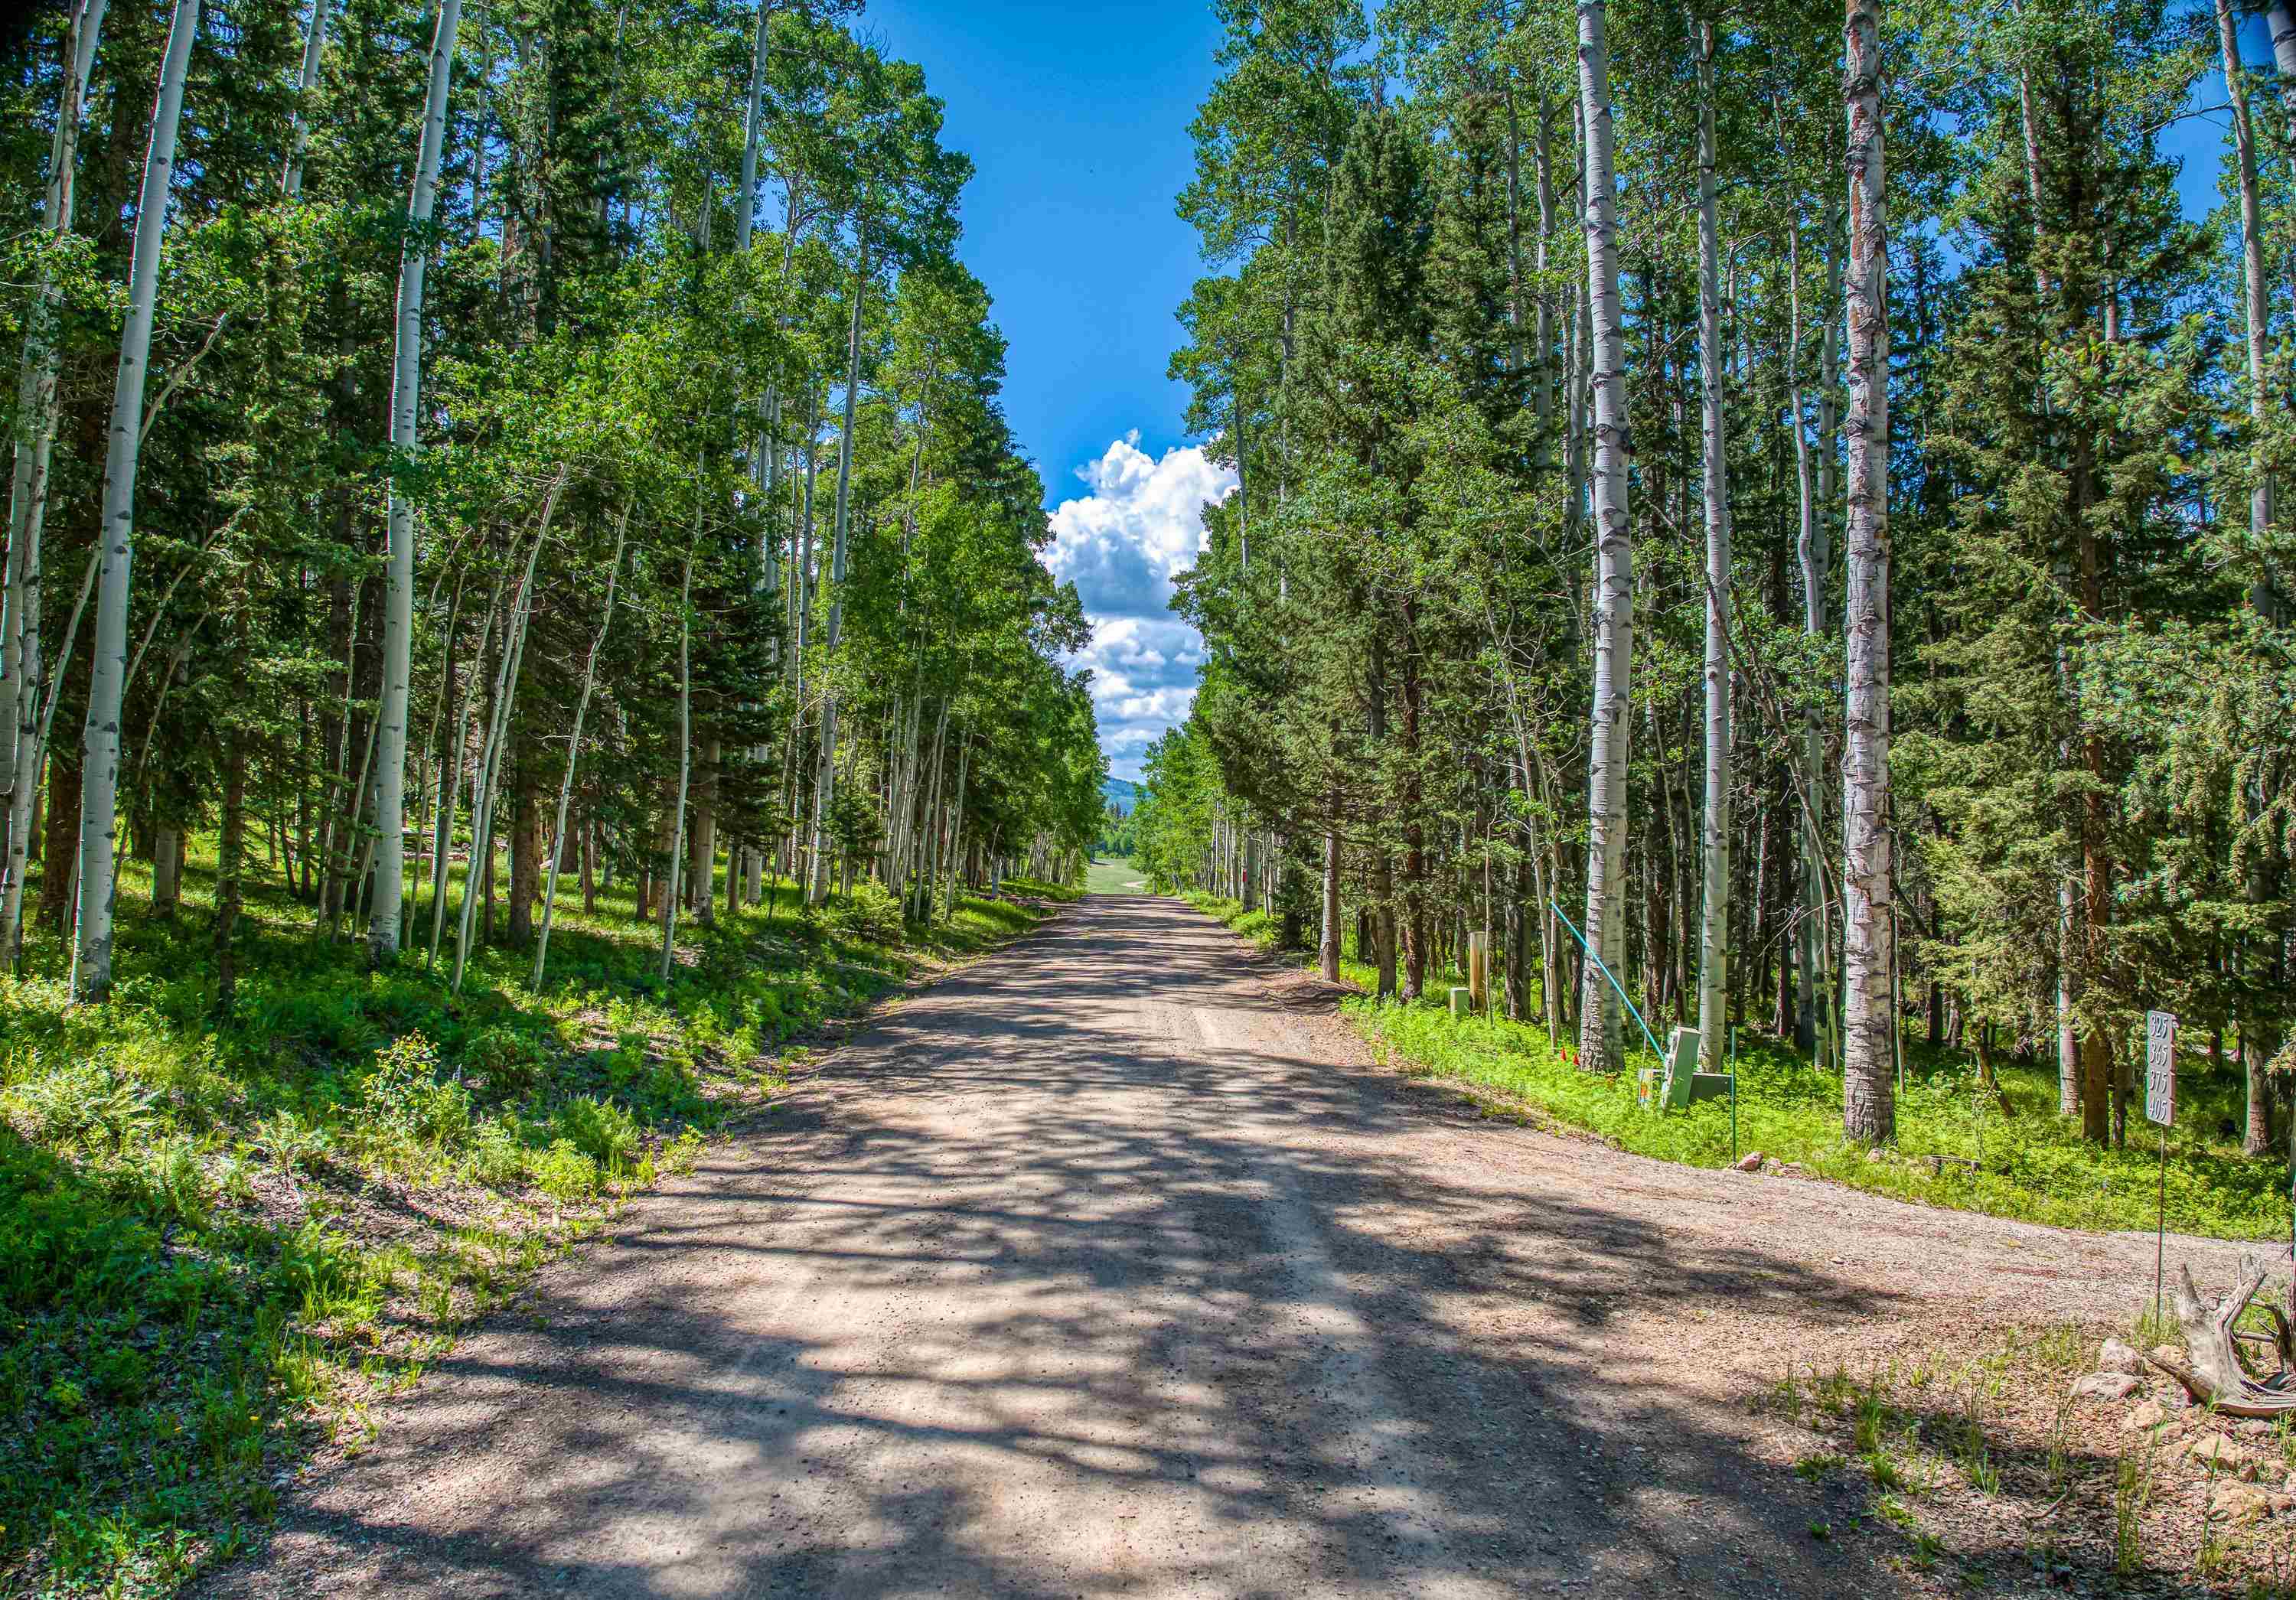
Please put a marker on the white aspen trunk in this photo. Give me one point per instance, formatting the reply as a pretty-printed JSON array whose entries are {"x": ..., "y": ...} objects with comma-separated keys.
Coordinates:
[
  {"x": 38, "y": 749},
  {"x": 1869, "y": 1107},
  {"x": 315, "y": 49},
  {"x": 928, "y": 818},
  {"x": 957, "y": 826},
  {"x": 1544, "y": 377},
  {"x": 701, "y": 871},
  {"x": 574, "y": 752},
  {"x": 2252, "y": 257},
  {"x": 483, "y": 795},
  {"x": 167, "y": 869},
  {"x": 2280, "y": 22},
  {"x": 744, "y": 873},
  {"x": 429, "y": 757},
  {"x": 1599, "y": 1040},
  {"x": 1810, "y": 943},
  {"x": 1829, "y": 379},
  {"x": 450, "y": 778},
  {"x": 825, "y": 789},
  {"x": 1327, "y": 948},
  {"x": 482, "y": 80},
  {"x": 99, "y": 781},
  {"x": 802, "y": 572},
  {"x": 360, "y": 795},
  {"x": 1714, "y": 926},
  {"x": 1578, "y": 344},
  {"x": 36, "y": 423},
  {"x": 684, "y": 747},
  {"x": 746, "y": 203},
  {"x": 897, "y": 777},
  {"x": 800, "y": 582},
  {"x": 398, "y": 576},
  {"x": 900, "y": 796},
  {"x": 338, "y": 770},
  {"x": 912, "y": 770}
]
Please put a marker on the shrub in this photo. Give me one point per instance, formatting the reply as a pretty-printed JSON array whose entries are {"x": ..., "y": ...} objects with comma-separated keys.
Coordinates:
[
  {"x": 442, "y": 1114},
  {"x": 598, "y": 1129},
  {"x": 317, "y": 1267},
  {"x": 869, "y": 913},
  {"x": 288, "y": 1141},
  {"x": 496, "y": 1158},
  {"x": 563, "y": 1173},
  {"x": 120, "y": 1375},
  {"x": 394, "y": 1092},
  {"x": 170, "y": 1186},
  {"x": 90, "y": 1106},
  {"x": 512, "y": 1062}
]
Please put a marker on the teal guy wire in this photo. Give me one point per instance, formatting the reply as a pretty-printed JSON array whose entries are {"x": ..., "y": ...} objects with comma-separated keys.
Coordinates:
[{"x": 1606, "y": 972}]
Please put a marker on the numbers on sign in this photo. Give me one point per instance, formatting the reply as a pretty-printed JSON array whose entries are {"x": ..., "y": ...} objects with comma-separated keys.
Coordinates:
[{"x": 2161, "y": 1067}]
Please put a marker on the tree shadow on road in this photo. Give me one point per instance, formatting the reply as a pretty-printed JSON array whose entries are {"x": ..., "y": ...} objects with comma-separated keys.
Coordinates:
[{"x": 1032, "y": 1290}]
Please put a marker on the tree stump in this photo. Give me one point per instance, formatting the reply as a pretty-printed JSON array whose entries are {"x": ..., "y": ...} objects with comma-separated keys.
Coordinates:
[{"x": 2215, "y": 1373}]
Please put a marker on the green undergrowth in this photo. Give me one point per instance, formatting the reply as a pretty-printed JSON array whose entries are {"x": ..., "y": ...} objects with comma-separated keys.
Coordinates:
[
  {"x": 2005, "y": 1153},
  {"x": 222, "y": 1240},
  {"x": 1036, "y": 889}
]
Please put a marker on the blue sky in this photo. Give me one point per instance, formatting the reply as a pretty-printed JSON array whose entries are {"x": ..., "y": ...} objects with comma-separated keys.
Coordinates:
[{"x": 1076, "y": 117}]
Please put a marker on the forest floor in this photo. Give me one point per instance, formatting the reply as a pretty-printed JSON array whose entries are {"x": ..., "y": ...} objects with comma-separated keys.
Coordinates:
[{"x": 1118, "y": 1265}]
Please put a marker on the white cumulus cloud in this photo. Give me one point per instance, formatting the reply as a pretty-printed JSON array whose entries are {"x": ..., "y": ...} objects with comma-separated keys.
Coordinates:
[{"x": 1142, "y": 522}]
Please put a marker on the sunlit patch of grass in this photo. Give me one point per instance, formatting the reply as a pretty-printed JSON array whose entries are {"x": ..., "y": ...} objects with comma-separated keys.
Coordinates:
[
  {"x": 204, "y": 1256},
  {"x": 2035, "y": 1165}
]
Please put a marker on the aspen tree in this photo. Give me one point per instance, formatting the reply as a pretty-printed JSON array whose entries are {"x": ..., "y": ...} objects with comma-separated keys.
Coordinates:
[
  {"x": 484, "y": 785},
  {"x": 315, "y": 48},
  {"x": 2257, "y": 317},
  {"x": 685, "y": 749},
  {"x": 574, "y": 749},
  {"x": 1714, "y": 926},
  {"x": 107, "y": 680},
  {"x": 23, "y": 741},
  {"x": 2280, "y": 22},
  {"x": 450, "y": 775},
  {"x": 1869, "y": 1105},
  {"x": 824, "y": 788},
  {"x": 1600, "y": 1041},
  {"x": 398, "y": 578}
]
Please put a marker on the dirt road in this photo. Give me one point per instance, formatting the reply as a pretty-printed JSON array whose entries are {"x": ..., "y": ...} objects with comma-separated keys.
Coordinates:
[{"x": 1103, "y": 1268}]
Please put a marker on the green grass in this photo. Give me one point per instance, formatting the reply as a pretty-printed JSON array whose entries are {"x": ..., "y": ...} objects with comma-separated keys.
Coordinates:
[
  {"x": 1114, "y": 877},
  {"x": 1036, "y": 889},
  {"x": 2034, "y": 1165},
  {"x": 203, "y": 1260}
]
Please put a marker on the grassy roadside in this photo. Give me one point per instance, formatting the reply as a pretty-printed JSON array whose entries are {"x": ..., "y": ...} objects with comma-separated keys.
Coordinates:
[
  {"x": 224, "y": 1239},
  {"x": 2004, "y": 1154}
]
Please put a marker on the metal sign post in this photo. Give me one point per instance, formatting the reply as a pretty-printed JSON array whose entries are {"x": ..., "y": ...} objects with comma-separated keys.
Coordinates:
[{"x": 2160, "y": 1110}]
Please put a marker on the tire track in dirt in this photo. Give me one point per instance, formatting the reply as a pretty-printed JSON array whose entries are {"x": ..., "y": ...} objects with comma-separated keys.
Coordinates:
[{"x": 1106, "y": 1268}]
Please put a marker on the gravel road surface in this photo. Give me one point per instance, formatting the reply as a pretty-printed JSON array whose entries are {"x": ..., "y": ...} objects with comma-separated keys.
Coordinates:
[{"x": 1111, "y": 1265}]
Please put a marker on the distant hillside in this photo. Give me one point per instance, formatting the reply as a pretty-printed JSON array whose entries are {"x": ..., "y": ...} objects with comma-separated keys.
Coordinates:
[{"x": 1120, "y": 792}]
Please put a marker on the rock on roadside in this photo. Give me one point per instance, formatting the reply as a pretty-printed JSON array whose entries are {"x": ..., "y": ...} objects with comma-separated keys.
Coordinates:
[
  {"x": 2117, "y": 1356},
  {"x": 2246, "y": 1503}
]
